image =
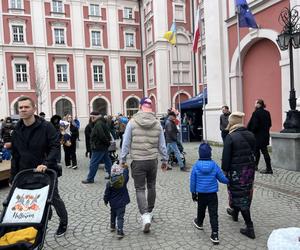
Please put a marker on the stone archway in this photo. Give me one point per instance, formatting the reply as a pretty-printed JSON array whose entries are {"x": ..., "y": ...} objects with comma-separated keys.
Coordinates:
[
  {"x": 183, "y": 97},
  {"x": 63, "y": 107},
  {"x": 262, "y": 80},
  {"x": 132, "y": 106},
  {"x": 100, "y": 105}
]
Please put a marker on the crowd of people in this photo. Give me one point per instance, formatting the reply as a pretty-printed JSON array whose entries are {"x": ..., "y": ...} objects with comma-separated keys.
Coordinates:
[{"x": 35, "y": 142}]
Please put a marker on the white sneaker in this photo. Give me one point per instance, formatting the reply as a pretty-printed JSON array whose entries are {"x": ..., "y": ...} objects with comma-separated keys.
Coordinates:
[
  {"x": 74, "y": 167},
  {"x": 146, "y": 222},
  {"x": 68, "y": 166}
]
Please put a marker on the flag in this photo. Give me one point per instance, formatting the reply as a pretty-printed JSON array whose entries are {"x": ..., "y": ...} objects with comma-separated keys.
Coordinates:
[
  {"x": 246, "y": 19},
  {"x": 196, "y": 31},
  {"x": 171, "y": 34}
]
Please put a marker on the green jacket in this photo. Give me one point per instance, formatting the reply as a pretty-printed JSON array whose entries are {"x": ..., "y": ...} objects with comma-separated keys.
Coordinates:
[{"x": 100, "y": 136}]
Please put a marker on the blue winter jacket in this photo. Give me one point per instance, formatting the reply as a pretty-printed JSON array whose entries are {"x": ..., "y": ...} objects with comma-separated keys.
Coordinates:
[
  {"x": 205, "y": 176},
  {"x": 117, "y": 198}
]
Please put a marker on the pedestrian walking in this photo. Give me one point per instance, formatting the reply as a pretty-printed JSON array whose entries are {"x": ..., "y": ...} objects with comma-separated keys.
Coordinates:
[
  {"x": 116, "y": 194},
  {"x": 224, "y": 121},
  {"x": 77, "y": 125},
  {"x": 42, "y": 115},
  {"x": 6, "y": 135},
  {"x": 204, "y": 187},
  {"x": 55, "y": 122},
  {"x": 260, "y": 124},
  {"x": 171, "y": 133},
  {"x": 144, "y": 140},
  {"x": 35, "y": 144},
  {"x": 100, "y": 141},
  {"x": 87, "y": 133},
  {"x": 238, "y": 163}
]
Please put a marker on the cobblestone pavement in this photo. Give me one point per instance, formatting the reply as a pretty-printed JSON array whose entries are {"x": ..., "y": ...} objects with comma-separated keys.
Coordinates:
[{"x": 276, "y": 204}]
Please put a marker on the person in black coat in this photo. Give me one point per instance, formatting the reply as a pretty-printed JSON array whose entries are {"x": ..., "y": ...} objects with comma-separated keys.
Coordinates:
[
  {"x": 238, "y": 163},
  {"x": 87, "y": 133},
  {"x": 35, "y": 144},
  {"x": 260, "y": 124}
]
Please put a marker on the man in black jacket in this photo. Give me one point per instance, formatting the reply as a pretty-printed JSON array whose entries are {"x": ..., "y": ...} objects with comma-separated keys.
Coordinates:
[
  {"x": 260, "y": 124},
  {"x": 35, "y": 144}
]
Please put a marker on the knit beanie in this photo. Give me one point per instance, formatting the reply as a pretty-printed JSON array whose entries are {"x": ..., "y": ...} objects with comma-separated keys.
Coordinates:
[
  {"x": 204, "y": 151},
  {"x": 116, "y": 176},
  {"x": 235, "y": 118}
]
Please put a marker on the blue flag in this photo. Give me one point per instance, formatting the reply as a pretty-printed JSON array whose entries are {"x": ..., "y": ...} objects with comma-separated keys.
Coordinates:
[{"x": 246, "y": 19}]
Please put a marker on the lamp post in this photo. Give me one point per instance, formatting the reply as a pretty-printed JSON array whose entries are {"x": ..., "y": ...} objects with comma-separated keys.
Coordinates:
[{"x": 289, "y": 38}]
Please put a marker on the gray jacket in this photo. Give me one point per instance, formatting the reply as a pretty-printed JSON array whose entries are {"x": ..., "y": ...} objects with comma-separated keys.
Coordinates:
[
  {"x": 224, "y": 121},
  {"x": 171, "y": 131}
]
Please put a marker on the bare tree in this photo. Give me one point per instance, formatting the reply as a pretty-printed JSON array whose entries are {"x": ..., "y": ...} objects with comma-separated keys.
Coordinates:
[{"x": 39, "y": 86}]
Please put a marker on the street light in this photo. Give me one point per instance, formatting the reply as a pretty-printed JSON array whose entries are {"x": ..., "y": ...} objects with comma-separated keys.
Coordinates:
[{"x": 289, "y": 38}]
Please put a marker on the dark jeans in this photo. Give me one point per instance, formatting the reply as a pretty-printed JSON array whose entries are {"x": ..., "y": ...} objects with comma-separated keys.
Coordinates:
[
  {"x": 97, "y": 157},
  {"x": 117, "y": 213},
  {"x": 209, "y": 200},
  {"x": 70, "y": 155},
  {"x": 142, "y": 172},
  {"x": 121, "y": 138},
  {"x": 60, "y": 207},
  {"x": 266, "y": 155},
  {"x": 246, "y": 215}
]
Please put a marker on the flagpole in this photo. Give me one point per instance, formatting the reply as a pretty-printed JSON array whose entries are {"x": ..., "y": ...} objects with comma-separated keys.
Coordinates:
[
  {"x": 239, "y": 46},
  {"x": 178, "y": 80},
  {"x": 204, "y": 131}
]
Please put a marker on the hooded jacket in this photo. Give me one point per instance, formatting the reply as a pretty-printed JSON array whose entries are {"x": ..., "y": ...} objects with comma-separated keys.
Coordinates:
[
  {"x": 42, "y": 147},
  {"x": 100, "y": 136},
  {"x": 205, "y": 176}
]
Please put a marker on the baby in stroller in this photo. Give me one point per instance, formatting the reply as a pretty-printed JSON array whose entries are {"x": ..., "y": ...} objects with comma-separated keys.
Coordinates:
[{"x": 172, "y": 158}]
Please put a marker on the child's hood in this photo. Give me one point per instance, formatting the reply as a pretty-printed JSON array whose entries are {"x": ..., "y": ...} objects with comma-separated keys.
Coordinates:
[{"x": 205, "y": 167}]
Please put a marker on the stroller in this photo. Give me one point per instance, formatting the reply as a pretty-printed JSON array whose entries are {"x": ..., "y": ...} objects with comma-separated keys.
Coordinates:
[
  {"x": 112, "y": 150},
  {"x": 28, "y": 207},
  {"x": 172, "y": 158}
]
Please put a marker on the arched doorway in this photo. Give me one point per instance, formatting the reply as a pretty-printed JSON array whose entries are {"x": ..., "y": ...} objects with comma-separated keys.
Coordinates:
[
  {"x": 100, "y": 105},
  {"x": 16, "y": 109},
  {"x": 132, "y": 106},
  {"x": 63, "y": 107},
  {"x": 262, "y": 79},
  {"x": 183, "y": 97}
]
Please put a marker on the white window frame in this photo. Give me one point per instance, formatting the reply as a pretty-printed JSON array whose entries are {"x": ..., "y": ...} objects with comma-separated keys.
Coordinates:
[
  {"x": 100, "y": 84},
  {"x": 149, "y": 35},
  {"x": 18, "y": 34},
  {"x": 17, "y": 23},
  {"x": 61, "y": 27},
  {"x": 94, "y": 10},
  {"x": 56, "y": 8},
  {"x": 128, "y": 13},
  {"x": 23, "y": 84},
  {"x": 62, "y": 84},
  {"x": 131, "y": 84},
  {"x": 92, "y": 40},
  {"x": 183, "y": 12},
  {"x": 16, "y": 4},
  {"x": 151, "y": 73},
  {"x": 129, "y": 32}
]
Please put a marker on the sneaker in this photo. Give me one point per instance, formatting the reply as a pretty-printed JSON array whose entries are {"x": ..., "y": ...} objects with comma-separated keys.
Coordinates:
[
  {"x": 74, "y": 167},
  {"x": 266, "y": 171},
  {"x": 87, "y": 182},
  {"x": 61, "y": 231},
  {"x": 112, "y": 227},
  {"x": 146, "y": 222},
  {"x": 120, "y": 234},
  {"x": 233, "y": 214},
  {"x": 198, "y": 226},
  {"x": 68, "y": 166},
  {"x": 184, "y": 169},
  {"x": 214, "y": 238},
  {"x": 248, "y": 231}
]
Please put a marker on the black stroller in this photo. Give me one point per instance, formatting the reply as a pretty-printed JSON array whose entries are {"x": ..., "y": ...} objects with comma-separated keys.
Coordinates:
[
  {"x": 28, "y": 205},
  {"x": 172, "y": 158}
]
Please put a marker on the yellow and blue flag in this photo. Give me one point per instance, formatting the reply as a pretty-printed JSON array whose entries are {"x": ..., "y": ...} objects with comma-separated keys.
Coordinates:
[{"x": 171, "y": 34}]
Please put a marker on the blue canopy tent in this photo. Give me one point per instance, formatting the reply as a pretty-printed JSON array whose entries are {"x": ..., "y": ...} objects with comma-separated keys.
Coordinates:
[{"x": 194, "y": 102}]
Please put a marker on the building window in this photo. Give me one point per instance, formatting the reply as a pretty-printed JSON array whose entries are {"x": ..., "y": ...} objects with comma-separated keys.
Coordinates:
[
  {"x": 179, "y": 13},
  {"x": 131, "y": 74},
  {"x": 94, "y": 10},
  {"x": 204, "y": 66},
  {"x": 59, "y": 35},
  {"x": 96, "y": 41},
  {"x": 57, "y": 6},
  {"x": 151, "y": 73},
  {"x": 18, "y": 35},
  {"x": 149, "y": 35},
  {"x": 128, "y": 13},
  {"x": 61, "y": 73},
  {"x": 132, "y": 106},
  {"x": 16, "y": 4},
  {"x": 129, "y": 37},
  {"x": 21, "y": 73},
  {"x": 98, "y": 73}
]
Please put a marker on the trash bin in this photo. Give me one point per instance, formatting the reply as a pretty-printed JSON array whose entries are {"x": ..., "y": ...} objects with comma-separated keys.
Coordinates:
[{"x": 185, "y": 131}]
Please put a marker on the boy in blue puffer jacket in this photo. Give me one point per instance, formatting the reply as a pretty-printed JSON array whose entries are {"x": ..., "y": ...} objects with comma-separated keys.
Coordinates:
[{"x": 204, "y": 187}]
